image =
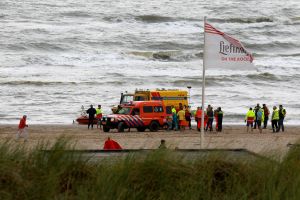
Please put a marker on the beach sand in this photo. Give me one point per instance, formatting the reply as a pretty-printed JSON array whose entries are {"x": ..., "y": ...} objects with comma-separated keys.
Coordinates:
[{"x": 232, "y": 137}]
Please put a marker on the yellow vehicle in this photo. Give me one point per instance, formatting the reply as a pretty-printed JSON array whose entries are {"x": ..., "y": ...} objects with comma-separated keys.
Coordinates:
[{"x": 169, "y": 97}]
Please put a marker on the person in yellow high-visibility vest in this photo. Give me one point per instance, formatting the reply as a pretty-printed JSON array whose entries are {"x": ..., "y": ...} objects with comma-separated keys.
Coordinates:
[
  {"x": 275, "y": 118},
  {"x": 99, "y": 116},
  {"x": 250, "y": 119}
]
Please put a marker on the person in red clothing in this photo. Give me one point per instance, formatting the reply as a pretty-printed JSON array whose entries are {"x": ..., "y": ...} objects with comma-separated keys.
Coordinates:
[
  {"x": 198, "y": 118},
  {"x": 22, "y": 132}
]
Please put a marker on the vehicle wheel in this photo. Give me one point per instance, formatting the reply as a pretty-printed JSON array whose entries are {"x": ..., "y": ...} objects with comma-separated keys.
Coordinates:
[
  {"x": 141, "y": 129},
  {"x": 106, "y": 129},
  {"x": 166, "y": 126},
  {"x": 153, "y": 126},
  {"x": 121, "y": 127}
]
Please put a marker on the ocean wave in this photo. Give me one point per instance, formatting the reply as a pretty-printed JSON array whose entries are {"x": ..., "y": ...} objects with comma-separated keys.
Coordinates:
[
  {"x": 80, "y": 14},
  {"x": 275, "y": 55},
  {"x": 189, "y": 81},
  {"x": 174, "y": 45},
  {"x": 36, "y": 83},
  {"x": 45, "y": 46},
  {"x": 263, "y": 76},
  {"x": 242, "y": 20},
  {"x": 168, "y": 55},
  {"x": 154, "y": 18},
  {"x": 271, "y": 45},
  {"x": 115, "y": 74},
  {"x": 163, "y": 55}
]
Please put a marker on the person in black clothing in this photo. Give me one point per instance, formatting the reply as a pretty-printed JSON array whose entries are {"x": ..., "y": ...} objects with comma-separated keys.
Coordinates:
[
  {"x": 210, "y": 115},
  {"x": 220, "y": 119},
  {"x": 91, "y": 112},
  {"x": 282, "y": 114},
  {"x": 256, "y": 109}
]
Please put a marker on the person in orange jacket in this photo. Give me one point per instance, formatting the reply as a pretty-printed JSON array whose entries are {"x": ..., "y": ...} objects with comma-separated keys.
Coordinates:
[
  {"x": 198, "y": 117},
  {"x": 22, "y": 132}
]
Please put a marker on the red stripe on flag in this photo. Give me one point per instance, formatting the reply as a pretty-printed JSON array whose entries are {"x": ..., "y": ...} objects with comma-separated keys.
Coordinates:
[{"x": 210, "y": 29}]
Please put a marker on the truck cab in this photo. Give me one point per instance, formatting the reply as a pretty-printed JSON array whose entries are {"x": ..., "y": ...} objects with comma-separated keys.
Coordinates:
[{"x": 140, "y": 115}]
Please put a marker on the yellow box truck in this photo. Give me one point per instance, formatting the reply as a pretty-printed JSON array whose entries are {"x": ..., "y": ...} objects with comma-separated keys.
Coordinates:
[{"x": 169, "y": 97}]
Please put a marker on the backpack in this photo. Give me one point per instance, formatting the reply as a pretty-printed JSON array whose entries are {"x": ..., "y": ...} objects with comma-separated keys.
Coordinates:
[{"x": 259, "y": 115}]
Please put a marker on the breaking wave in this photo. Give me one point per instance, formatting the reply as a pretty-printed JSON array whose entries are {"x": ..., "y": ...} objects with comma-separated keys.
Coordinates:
[
  {"x": 37, "y": 46},
  {"x": 242, "y": 20},
  {"x": 154, "y": 18},
  {"x": 37, "y": 83},
  {"x": 75, "y": 14}
]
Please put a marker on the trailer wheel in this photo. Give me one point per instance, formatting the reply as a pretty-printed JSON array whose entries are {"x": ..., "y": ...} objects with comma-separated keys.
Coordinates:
[
  {"x": 153, "y": 126},
  {"x": 106, "y": 129},
  {"x": 121, "y": 127},
  {"x": 141, "y": 129}
]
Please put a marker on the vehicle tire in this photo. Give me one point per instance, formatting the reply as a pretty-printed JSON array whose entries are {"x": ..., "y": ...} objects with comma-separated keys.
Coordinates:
[
  {"x": 154, "y": 126},
  {"x": 166, "y": 127},
  {"x": 121, "y": 127},
  {"x": 106, "y": 129},
  {"x": 141, "y": 129}
]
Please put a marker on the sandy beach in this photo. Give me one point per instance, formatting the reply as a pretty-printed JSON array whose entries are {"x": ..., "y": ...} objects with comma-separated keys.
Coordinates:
[{"x": 232, "y": 137}]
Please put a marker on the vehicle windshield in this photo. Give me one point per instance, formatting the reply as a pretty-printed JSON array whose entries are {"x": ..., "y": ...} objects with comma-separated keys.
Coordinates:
[
  {"x": 126, "y": 99},
  {"x": 124, "y": 110}
]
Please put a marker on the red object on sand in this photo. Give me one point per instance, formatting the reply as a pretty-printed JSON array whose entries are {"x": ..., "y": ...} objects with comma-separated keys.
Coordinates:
[
  {"x": 85, "y": 120},
  {"x": 111, "y": 145}
]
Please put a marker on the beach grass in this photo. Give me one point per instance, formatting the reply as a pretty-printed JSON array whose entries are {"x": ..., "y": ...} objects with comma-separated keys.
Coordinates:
[{"x": 161, "y": 174}]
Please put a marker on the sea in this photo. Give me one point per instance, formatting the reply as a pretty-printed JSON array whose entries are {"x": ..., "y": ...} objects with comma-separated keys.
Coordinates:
[{"x": 56, "y": 56}]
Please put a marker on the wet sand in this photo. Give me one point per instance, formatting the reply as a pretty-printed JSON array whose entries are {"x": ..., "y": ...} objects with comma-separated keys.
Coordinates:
[{"x": 232, "y": 137}]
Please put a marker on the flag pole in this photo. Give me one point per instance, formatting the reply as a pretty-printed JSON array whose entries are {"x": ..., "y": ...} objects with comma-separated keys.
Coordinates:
[{"x": 203, "y": 93}]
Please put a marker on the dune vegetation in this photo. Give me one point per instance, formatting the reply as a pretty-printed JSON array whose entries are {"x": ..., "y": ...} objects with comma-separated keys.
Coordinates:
[{"x": 161, "y": 174}]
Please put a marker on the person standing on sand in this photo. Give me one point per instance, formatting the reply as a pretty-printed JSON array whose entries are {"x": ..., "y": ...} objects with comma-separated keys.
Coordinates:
[
  {"x": 174, "y": 119},
  {"x": 91, "y": 112},
  {"x": 260, "y": 119},
  {"x": 210, "y": 115},
  {"x": 249, "y": 119},
  {"x": 266, "y": 113},
  {"x": 275, "y": 118},
  {"x": 282, "y": 113},
  {"x": 22, "y": 132},
  {"x": 99, "y": 116},
  {"x": 256, "y": 109},
  {"x": 181, "y": 118},
  {"x": 188, "y": 116},
  {"x": 219, "y": 119}
]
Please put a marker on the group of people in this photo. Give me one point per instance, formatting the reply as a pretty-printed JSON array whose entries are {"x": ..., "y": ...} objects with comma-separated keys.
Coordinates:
[
  {"x": 209, "y": 116},
  {"x": 94, "y": 114},
  {"x": 259, "y": 116},
  {"x": 180, "y": 119}
]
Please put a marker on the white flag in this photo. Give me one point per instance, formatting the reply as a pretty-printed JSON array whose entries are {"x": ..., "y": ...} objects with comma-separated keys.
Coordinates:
[{"x": 223, "y": 51}]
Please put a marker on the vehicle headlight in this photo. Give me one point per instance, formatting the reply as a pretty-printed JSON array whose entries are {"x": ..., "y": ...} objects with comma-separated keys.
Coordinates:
[{"x": 112, "y": 119}]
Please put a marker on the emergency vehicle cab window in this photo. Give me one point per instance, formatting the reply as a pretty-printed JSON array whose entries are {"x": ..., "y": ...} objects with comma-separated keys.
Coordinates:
[
  {"x": 158, "y": 109},
  {"x": 140, "y": 98},
  {"x": 148, "y": 109},
  {"x": 124, "y": 110},
  {"x": 135, "y": 111}
]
